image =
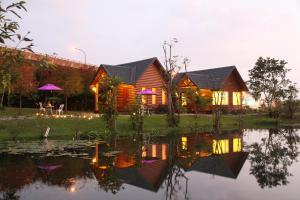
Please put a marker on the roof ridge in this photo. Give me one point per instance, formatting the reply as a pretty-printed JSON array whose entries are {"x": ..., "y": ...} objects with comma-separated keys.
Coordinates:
[
  {"x": 137, "y": 61},
  {"x": 232, "y": 66},
  {"x": 119, "y": 66}
]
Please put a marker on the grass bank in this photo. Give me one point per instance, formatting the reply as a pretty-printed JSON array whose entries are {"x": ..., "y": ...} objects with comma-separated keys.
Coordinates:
[{"x": 65, "y": 128}]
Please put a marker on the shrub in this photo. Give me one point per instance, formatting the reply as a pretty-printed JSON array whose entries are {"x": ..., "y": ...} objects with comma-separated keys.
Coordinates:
[{"x": 161, "y": 109}]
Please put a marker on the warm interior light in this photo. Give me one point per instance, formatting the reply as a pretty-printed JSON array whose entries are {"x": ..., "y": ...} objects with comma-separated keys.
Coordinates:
[
  {"x": 220, "y": 98},
  {"x": 164, "y": 152},
  {"x": 237, "y": 144},
  {"x": 94, "y": 160},
  {"x": 94, "y": 89},
  {"x": 153, "y": 96},
  {"x": 184, "y": 143},
  {"x": 144, "y": 152},
  {"x": 220, "y": 146},
  {"x": 154, "y": 150},
  {"x": 163, "y": 96},
  {"x": 236, "y": 98}
]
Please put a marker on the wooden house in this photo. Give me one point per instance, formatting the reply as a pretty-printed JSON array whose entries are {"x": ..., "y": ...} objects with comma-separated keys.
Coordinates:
[
  {"x": 224, "y": 86},
  {"x": 221, "y": 154},
  {"x": 135, "y": 76}
]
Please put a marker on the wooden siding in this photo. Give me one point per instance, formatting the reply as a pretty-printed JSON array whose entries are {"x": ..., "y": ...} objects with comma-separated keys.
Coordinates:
[
  {"x": 152, "y": 78},
  {"x": 232, "y": 84},
  {"x": 126, "y": 97}
]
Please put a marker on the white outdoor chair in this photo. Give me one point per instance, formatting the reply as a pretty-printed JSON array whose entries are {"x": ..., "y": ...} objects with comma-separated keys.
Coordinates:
[
  {"x": 42, "y": 109},
  {"x": 60, "y": 110}
]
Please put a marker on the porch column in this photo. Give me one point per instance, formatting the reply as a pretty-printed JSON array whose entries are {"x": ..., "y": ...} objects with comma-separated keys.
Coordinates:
[{"x": 97, "y": 98}]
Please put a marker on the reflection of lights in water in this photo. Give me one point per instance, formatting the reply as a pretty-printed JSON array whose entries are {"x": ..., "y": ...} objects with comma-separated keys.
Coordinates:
[
  {"x": 72, "y": 189},
  {"x": 103, "y": 167}
]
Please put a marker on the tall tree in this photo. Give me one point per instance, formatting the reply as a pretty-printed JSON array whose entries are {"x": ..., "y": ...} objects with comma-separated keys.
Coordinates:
[
  {"x": 11, "y": 58},
  {"x": 171, "y": 68},
  {"x": 291, "y": 104},
  {"x": 109, "y": 87},
  {"x": 87, "y": 75},
  {"x": 67, "y": 78},
  {"x": 26, "y": 83},
  {"x": 268, "y": 82}
]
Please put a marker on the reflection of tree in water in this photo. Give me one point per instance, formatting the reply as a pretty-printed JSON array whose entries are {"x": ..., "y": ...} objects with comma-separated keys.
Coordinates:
[
  {"x": 175, "y": 174},
  {"x": 271, "y": 158},
  {"x": 10, "y": 195},
  {"x": 107, "y": 177},
  {"x": 109, "y": 181}
]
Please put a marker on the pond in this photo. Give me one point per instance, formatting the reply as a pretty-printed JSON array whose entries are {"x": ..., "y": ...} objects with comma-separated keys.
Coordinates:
[{"x": 249, "y": 164}]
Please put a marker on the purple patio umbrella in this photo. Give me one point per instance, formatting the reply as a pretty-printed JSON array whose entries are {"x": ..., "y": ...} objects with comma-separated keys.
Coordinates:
[
  {"x": 147, "y": 92},
  {"x": 50, "y": 87}
]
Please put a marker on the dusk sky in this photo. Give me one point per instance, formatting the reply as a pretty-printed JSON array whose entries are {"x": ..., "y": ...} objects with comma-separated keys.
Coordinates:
[{"x": 212, "y": 33}]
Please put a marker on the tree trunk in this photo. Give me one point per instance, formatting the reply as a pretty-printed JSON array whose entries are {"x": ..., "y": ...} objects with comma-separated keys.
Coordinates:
[
  {"x": 171, "y": 110},
  {"x": 85, "y": 101},
  {"x": 8, "y": 98},
  {"x": 2, "y": 98},
  {"x": 66, "y": 103},
  {"x": 20, "y": 104}
]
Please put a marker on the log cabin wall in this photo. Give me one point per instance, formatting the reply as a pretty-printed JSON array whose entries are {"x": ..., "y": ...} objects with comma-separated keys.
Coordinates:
[
  {"x": 151, "y": 78},
  {"x": 126, "y": 97},
  {"x": 231, "y": 85}
]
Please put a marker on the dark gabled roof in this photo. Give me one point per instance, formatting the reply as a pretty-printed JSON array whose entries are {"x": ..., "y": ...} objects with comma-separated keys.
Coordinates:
[
  {"x": 226, "y": 165},
  {"x": 126, "y": 75},
  {"x": 139, "y": 66},
  {"x": 142, "y": 176},
  {"x": 208, "y": 78},
  {"x": 129, "y": 72}
]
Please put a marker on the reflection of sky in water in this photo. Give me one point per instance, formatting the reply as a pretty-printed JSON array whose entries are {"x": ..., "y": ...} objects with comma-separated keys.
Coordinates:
[{"x": 200, "y": 185}]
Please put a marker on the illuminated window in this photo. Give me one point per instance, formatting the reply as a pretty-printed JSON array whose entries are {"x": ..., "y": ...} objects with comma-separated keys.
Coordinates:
[
  {"x": 164, "y": 152},
  {"x": 183, "y": 99},
  {"x": 184, "y": 143},
  {"x": 237, "y": 144},
  {"x": 154, "y": 150},
  {"x": 144, "y": 152},
  {"x": 220, "y": 146},
  {"x": 144, "y": 100},
  {"x": 220, "y": 98},
  {"x": 163, "y": 96},
  {"x": 153, "y": 96},
  {"x": 236, "y": 98}
]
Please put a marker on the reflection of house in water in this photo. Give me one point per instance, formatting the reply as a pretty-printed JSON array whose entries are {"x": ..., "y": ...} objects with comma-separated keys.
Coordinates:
[
  {"x": 220, "y": 154},
  {"x": 143, "y": 166}
]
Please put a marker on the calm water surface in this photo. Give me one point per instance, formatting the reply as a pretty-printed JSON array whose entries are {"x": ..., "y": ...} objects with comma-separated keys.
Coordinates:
[{"x": 253, "y": 164}]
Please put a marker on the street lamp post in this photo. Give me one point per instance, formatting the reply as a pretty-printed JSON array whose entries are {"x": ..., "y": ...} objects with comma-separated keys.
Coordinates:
[{"x": 82, "y": 51}]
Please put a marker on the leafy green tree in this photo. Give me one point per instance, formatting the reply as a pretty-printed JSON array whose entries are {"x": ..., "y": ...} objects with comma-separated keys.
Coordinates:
[
  {"x": 291, "y": 104},
  {"x": 268, "y": 82},
  {"x": 67, "y": 78},
  {"x": 11, "y": 58},
  {"x": 137, "y": 115},
  {"x": 25, "y": 84},
  {"x": 109, "y": 87}
]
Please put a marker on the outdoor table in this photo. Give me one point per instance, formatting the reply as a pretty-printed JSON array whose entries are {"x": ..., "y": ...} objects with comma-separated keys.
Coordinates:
[{"x": 49, "y": 109}]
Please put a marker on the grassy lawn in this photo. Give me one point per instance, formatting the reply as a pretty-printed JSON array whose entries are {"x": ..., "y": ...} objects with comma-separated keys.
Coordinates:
[{"x": 65, "y": 128}]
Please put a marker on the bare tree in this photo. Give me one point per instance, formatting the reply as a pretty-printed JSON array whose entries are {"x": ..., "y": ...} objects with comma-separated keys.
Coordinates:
[{"x": 171, "y": 67}]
